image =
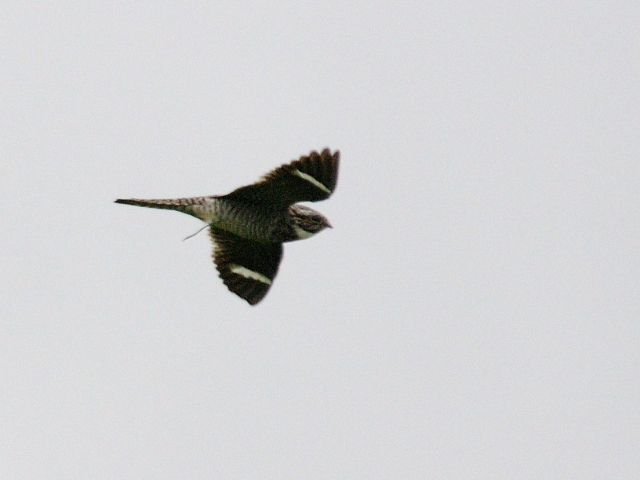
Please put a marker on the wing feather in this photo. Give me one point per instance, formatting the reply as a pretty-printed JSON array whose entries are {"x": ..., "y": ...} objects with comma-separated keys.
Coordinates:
[
  {"x": 309, "y": 179},
  {"x": 246, "y": 267}
]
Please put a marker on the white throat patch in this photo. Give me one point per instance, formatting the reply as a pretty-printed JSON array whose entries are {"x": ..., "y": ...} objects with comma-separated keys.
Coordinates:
[
  {"x": 245, "y": 272},
  {"x": 302, "y": 234},
  {"x": 311, "y": 180}
]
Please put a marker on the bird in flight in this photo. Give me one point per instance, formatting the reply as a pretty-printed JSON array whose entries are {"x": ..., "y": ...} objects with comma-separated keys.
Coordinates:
[{"x": 249, "y": 225}]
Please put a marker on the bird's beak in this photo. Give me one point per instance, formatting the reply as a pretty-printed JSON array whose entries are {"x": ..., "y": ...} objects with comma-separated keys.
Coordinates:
[{"x": 329, "y": 225}]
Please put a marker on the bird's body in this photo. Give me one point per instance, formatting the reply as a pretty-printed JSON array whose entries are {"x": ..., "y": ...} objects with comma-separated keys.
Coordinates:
[
  {"x": 249, "y": 225},
  {"x": 253, "y": 222}
]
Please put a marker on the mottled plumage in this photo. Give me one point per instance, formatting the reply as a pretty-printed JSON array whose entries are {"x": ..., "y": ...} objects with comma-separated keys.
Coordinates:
[{"x": 249, "y": 225}]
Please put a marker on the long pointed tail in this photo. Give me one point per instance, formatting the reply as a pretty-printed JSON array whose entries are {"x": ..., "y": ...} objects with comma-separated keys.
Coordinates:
[{"x": 179, "y": 204}]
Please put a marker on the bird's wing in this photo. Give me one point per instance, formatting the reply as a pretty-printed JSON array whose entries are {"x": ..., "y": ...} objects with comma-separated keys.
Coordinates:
[
  {"x": 246, "y": 267},
  {"x": 309, "y": 179}
]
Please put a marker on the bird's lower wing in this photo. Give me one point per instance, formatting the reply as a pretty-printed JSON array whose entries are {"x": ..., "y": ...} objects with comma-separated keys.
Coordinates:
[{"x": 246, "y": 267}]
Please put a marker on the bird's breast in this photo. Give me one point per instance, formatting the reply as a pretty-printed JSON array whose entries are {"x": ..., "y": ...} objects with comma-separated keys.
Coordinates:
[{"x": 254, "y": 222}]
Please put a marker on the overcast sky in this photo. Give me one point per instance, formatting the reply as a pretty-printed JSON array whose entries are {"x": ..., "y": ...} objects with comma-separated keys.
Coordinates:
[{"x": 474, "y": 313}]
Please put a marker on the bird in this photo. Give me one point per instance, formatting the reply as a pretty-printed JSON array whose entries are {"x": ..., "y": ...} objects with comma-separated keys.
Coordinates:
[{"x": 249, "y": 225}]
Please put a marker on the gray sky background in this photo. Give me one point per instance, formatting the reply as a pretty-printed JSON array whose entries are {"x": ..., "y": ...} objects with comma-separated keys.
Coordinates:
[{"x": 474, "y": 314}]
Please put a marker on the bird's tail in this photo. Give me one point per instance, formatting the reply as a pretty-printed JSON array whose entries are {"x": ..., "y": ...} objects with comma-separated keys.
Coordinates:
[{"x": 179, "y": 204}]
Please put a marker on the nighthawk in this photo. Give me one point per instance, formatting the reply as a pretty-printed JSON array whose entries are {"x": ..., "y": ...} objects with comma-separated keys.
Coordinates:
[{"x": 249, "y": 225}]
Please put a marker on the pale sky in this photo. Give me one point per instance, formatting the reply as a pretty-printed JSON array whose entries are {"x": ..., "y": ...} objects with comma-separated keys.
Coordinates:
[{"x": 474, "y": 313}]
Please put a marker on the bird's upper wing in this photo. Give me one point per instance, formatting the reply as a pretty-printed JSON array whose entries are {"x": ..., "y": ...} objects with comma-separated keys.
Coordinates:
[
  {"x": 246, "y": 267},
  {"x": 309, "y": 179}
]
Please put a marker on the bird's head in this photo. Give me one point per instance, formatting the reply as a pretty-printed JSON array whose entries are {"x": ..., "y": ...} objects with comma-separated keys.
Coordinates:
[{"x": 307, "y": 221}]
